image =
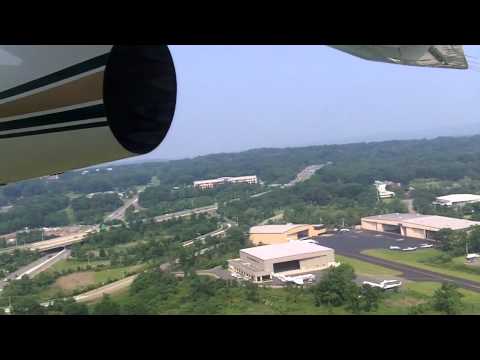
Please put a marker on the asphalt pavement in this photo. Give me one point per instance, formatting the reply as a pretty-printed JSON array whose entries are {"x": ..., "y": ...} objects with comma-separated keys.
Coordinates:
[
  {"x": 352, "y": 244},
  {"x": 36, "y": 264}
]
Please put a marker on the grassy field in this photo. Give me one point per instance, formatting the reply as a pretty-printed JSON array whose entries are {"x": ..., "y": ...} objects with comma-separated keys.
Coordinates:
[
  {"x": 366, "y": 269},
  {"x": 78, "y": 280},
  {"x": 420, "y": 258},
  {"x": 115, "y": 274},
  {"x": 70, "y": 264},
  {"x": 471, "y": 299}
]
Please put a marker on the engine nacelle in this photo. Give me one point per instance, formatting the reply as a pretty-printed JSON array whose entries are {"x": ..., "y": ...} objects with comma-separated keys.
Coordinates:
[{"x": 65, "y": 107}]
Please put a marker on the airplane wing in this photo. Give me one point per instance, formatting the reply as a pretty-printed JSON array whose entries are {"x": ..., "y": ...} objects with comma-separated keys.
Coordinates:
[{"x": 437, "y": 56}]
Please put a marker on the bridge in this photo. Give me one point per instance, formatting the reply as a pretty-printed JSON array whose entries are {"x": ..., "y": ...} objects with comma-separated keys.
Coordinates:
[{"x": 59, "y": 242}]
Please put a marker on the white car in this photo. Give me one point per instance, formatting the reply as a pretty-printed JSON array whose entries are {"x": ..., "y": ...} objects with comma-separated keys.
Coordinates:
[
  {"x": 394, "y": 248},
  {"x": 425, "y": 246},
  {"x": 410, "y": 248},
  {"x": 344, "y": 230}
]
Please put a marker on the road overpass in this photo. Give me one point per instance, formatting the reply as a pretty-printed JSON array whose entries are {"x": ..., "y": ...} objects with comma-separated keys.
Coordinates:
[{"x": 59, "y": 242}]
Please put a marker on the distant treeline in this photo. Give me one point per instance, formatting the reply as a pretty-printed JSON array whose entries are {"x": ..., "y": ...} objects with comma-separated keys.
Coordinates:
[{"x": 344, "y": 185}]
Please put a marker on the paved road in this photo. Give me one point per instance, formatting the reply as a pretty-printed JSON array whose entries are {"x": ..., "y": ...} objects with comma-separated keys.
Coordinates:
[
  {"x": 183, "y": 213},
  {"x": 60, "y": 241},
  {"x": 412, "y": 273},
  {"x": 305, "y": 174},
  {"x": 353, "y": 243},
  {"x": 215, "y": 233},
  {"x": 409, "y": 204},
  {"x": 275, "y": 217},
  {"x": 119, "y": 214},
  {"x": 107, "y": 289},
  {"x": 56, "y": 257},
  {"x": 260, "y": 194},
  {"x": 37, "y": 266}
]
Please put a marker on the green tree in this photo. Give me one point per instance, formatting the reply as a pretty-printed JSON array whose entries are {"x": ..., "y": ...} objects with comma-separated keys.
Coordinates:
[
  {"x": 447, "y": 299},
  {"x": 337, "y": 287},
  {"x": 252, "y": 292},
  {"x": 106, "y": 307},
  {"x": 135, "y": 307},
  {"x": 446, "y": 239},
  {"x": 75, "y": 308},
  {"x": 27, "y": 305},
  {"x": 371, "y": 297}
]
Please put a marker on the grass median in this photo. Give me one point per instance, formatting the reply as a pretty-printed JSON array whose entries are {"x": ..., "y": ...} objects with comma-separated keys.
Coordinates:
[
  {"x": 421, "y": 259},
  {"x": 364, "y": 268}
]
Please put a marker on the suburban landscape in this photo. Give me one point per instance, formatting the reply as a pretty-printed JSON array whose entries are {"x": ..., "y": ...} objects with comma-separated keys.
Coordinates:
[{"x": 372, "y": 228}]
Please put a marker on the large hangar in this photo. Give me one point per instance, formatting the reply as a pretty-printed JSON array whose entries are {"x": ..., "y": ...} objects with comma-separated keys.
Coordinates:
[
  {"x": 414, "y": 225},
  {"x": 296, "y": 257}
]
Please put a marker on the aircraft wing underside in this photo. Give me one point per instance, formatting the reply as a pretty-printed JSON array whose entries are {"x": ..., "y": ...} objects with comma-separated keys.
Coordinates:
[{"x": 439, "y": 56}]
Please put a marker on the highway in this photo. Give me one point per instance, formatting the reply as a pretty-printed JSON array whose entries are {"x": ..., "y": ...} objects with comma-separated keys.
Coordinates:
[
  {"x": 305, "y": 174},
  {"x": 119, "y": 214},
  {"x": 80, "y": 236},
  {"x": 60, "y": 241},
  {"x": 37, "y": 266},
  {"x": 183, "y": 213},
  {"x": 126, "y": 282},
  {"x": 214, "y": 233}
]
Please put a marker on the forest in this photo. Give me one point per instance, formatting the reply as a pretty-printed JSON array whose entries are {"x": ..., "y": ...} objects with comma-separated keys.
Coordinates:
[{"x": 340, "y": 191}]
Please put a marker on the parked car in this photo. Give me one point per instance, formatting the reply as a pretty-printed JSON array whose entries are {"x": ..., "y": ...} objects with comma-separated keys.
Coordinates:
[{"x": 395, "y": 248}]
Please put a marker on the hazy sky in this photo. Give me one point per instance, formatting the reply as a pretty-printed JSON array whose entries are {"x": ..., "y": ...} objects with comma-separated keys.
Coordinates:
[{"x": 233, "y": 98}]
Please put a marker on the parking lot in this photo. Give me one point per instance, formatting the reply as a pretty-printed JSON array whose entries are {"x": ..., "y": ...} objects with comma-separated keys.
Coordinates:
[
  {"x": 356, "y": 241},
  {"x": 352, "y": 243}
]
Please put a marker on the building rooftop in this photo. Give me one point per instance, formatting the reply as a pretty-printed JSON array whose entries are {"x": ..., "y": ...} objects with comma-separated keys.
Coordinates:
[
  {"x": 459, "y": 198},
  {"x": 442, "y": 222},
  {"x": 292, "y": 248},
  {"x": 394, "y": 217},
  {"x": 273, "y": 229},
  {"x": 432, "y": 221},
  {"x": 225, "y": 179}
]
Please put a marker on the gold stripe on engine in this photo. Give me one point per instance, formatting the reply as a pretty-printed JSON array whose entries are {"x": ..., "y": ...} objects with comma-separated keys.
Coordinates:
[{"x": 86, "y": 89}]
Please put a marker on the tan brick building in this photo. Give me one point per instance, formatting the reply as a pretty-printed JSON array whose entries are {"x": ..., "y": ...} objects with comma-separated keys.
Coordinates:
[{"x": 277, "y": 234}]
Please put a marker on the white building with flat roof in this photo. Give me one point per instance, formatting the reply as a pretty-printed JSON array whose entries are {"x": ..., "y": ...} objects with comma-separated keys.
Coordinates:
[
  {"x": 383, "y": 193},
  {"x": 414, "y": 225},
  {"x": 296, "y": 257},
  {"x": 457, "y": 199},
  {"x": 211, "y": 183}
]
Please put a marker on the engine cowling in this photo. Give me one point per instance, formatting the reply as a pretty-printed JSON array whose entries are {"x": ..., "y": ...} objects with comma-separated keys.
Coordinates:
[{"x": 72, "y": 106}]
